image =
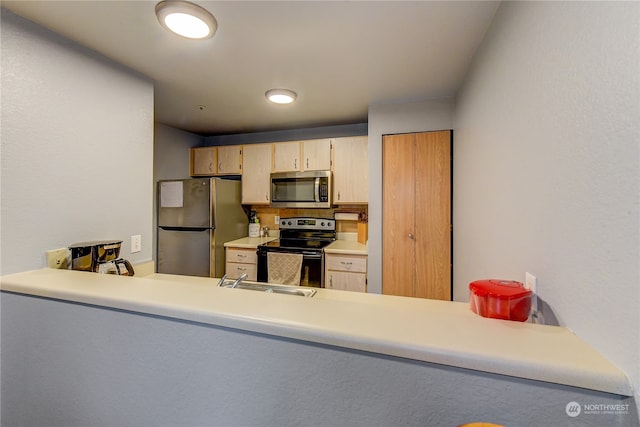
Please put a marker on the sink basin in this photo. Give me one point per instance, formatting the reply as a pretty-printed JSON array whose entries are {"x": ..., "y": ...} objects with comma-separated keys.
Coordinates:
[{"x": 271, "y": 288}]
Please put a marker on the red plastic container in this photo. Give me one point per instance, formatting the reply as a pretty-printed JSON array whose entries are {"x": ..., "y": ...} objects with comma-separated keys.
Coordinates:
[{"x": 500, "y": 299}]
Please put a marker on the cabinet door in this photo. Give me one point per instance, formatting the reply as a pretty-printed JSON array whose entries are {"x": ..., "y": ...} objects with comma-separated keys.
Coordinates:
[
  {"x": 316, "y": 155},
  {"x": 256, "y": 160},
  {"x": 286, "y": 156},
  {"x": 344, "y": 281},
  {"x": 230, "y": 160},
  {"x": 204, "y": 161},
  {"x": 350, "y": 170}
]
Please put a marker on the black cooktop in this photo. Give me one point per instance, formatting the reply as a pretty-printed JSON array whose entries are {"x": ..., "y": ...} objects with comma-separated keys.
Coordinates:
[{"x": 296, "y": 244}]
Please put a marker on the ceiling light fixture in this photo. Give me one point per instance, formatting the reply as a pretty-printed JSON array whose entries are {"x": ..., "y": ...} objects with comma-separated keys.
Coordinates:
[
  {"x": 281, "y": 96},
  {"x": 186, "y": 19}
]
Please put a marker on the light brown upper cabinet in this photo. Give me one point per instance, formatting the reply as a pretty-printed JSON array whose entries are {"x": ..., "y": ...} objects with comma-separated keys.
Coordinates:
[
  {"x": 350, "y": 170},
  {"x": 256, "y": 160},
  {"x": 416, "y": 215},
  {"x": 316, "y": 155},
  {"x": 210, "y": 161},
  {"x": 204, "y": 161},
  {"x": 296, "y": 156},
  {"x": 230, "y": 160}
]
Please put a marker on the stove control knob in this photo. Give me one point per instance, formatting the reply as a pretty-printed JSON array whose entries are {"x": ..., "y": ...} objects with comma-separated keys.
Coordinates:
[
  {"x": 322, "y": 224},
  {"x": 329, "y": 224},
  {"x": 289, "y": 223},
  {"x": 284, "y": 222}
]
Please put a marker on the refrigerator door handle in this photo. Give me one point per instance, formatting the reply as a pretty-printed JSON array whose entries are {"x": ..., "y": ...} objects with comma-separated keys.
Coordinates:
[{"x": 185, "y": 228}]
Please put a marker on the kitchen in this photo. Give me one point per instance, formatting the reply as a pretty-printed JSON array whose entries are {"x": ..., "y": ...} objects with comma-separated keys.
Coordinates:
[{"x": 503, "y": 127}]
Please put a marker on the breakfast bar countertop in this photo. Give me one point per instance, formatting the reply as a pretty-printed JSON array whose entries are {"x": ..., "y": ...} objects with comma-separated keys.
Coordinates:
[{"x": 410, "y": 328}]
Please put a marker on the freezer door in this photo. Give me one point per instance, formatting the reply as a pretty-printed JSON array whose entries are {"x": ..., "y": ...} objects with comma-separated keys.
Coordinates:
[
  {"x": 185, "y": 203},
  {"x": 186, "y": 252}
]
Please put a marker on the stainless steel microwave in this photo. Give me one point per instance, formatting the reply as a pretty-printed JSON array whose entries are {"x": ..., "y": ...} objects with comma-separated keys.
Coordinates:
[{"x": 310, "y": 189}]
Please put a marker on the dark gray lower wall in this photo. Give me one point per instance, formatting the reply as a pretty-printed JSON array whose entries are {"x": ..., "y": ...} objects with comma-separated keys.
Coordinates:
[{"x": 67, "y": 364}]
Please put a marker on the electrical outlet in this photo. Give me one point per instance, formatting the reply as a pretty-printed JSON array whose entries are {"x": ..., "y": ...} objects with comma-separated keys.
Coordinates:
[
  {"x": 136, "y": 243},
  {"x": 57, "y": 258},
  {"x": 276, "y": 219},
  {"x": 531, "y": 283}
]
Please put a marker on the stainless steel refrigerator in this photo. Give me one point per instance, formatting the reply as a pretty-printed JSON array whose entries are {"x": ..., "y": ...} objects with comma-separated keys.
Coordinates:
[{"x": 195, "y": 218}]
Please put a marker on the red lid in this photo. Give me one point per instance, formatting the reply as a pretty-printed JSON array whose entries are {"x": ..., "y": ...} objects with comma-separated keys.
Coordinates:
[{"x": 499, "y": 288}]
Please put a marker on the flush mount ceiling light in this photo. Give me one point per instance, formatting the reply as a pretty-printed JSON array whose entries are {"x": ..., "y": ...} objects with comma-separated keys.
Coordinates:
[
  {"x": 186, "y": 19},
  {"x": 281, "y": 96}
]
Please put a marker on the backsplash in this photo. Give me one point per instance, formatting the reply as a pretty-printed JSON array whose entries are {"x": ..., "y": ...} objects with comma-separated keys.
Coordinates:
[{"x": 267, "y": 216}]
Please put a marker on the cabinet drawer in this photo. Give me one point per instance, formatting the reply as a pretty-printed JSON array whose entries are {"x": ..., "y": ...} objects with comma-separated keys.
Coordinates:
[
  {"x": 248, "y": 256},
  {"x": 346, "y": 263},
  {"x": 235, "y": 270}
]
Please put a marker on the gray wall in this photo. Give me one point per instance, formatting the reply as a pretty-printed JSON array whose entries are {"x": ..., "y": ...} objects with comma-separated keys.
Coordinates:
[
  {"x": 77, "y": 148},
  {"x": 356, "y": 129},
  {"x": 74, "y": 365},
  {"x": 386, "y": 119},
  {"x": 546, "y": 166}
]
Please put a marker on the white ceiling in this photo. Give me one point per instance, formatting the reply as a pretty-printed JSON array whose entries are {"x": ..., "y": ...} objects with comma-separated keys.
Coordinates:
[{"x": 339, "y": 56}]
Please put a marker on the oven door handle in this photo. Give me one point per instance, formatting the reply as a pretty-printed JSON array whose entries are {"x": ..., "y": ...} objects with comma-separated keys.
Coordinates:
[
  {"x": 305, "y": 254},
  {"x": 311, "y": 255}
]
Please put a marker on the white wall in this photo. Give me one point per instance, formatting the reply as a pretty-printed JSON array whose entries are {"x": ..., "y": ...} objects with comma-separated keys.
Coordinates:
[
  {"x": 546, "y": 166},
  {"x": 77, "y": 148},
  {"x": 386, "y": 119}
]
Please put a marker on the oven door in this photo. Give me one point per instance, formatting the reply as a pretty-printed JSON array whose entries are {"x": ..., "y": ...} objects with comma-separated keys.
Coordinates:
[{"x": 312, "y": 273}]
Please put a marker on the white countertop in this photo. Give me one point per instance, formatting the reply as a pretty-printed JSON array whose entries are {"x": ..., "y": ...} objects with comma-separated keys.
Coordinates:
[
  {"x": 249, "y": 242},
  {"x": 346, "y": 247},
  {"x": 442, "y": 332}
]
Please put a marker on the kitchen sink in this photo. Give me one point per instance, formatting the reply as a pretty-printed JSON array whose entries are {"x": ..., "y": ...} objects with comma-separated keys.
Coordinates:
[{"x": 271, "y": 288}]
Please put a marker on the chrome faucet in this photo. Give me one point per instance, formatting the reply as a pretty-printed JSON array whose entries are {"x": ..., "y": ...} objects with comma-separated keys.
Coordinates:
[
  {"x": 239, "y": 280},
  {"x": 221, "y": 282}
]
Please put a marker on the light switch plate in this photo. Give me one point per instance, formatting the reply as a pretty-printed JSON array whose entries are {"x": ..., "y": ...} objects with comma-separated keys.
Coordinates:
[
  {"x": 136, "y": 243},
  {"x": 531, "y": 283},
  {"x": 57, "y": 258}
]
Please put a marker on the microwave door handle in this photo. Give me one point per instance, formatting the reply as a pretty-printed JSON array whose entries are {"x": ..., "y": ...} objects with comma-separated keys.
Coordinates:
[{"x": 317, "y": 189}]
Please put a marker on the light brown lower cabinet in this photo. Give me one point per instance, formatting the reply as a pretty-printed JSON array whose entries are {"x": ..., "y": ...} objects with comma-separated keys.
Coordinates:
[
  {"x": 416, "y": 215},
  {"x": 240, "y": 261},
  {"x": 345, "y": 272}
]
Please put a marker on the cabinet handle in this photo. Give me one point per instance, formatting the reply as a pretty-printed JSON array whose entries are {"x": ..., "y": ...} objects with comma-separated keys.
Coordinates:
[
  {"x": 338, "y": 195},
  {"x": 242, "y": 269},
  {"x": 266, "y": 196},
  {"x": 346, "y": 263},
  {"x": 210, "y": 166},
  {"x": 331, "y": 281},
  {"x": 307, "y": 163},
  {"x": 219, "y": 166},
  {"x": 242, "y": 256},
  {"x": 411, "y": 236},
  {"x": 295, "y": 163}
]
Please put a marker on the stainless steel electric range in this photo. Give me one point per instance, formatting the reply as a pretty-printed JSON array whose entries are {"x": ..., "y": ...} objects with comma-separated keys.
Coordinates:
[{"x": 306, "y": 236}]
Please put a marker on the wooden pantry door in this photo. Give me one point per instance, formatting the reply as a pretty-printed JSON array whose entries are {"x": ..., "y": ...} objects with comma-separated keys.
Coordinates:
[
  {"x": 398, "y": 199},
  {"x": 416, "y": 232}
]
